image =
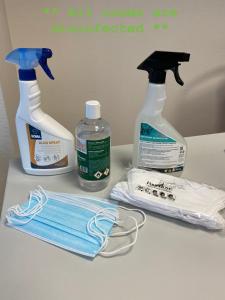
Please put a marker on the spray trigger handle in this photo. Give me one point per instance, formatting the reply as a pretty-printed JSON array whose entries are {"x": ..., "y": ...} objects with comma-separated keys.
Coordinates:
[
  {"x": 43, "y": 61},
  {"x": 175, "y": 71}
]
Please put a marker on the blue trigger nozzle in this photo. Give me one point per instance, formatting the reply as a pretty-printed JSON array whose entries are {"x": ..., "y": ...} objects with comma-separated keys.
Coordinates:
[
  {"x": 46, "y": 53},
  {"x": 28, "y": 59}
]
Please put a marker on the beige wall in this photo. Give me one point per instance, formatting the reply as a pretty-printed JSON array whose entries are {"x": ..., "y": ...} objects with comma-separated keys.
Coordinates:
[
  {"x": 103, "y": 65},
  {"x": 7, "y": 79}
]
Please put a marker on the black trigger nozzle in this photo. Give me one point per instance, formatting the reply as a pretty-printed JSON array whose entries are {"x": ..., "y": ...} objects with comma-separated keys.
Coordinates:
[
  {"x": 177, "y": 75},
  {"x": 161, "y": 61}
]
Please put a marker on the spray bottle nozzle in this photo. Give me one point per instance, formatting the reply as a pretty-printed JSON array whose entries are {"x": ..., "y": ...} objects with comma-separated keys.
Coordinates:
[
  {"x": 46, "y": 53},
  {"x": 28, "y": 59},
  {"x": 175, "y": 71},
  {"x": 160, "y": 61}
]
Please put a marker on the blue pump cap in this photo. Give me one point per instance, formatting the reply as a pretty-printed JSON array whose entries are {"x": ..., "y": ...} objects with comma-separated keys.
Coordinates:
[{"x": 29, "y": 58}]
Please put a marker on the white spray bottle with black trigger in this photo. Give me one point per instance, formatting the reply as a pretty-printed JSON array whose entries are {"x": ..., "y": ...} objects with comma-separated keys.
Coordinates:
[
  {"x": 157, "y": 144},
  {"x": 46, "y": 147}
]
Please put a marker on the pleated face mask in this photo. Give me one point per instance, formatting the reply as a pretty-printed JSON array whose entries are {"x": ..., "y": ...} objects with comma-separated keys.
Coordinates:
[{"x": 79, "y": 224}]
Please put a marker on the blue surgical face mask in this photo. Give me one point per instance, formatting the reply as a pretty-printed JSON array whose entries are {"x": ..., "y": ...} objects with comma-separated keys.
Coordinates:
[{"x": 76, "y": 223}]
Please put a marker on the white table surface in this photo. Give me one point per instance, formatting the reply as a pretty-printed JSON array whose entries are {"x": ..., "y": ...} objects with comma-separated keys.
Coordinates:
[{"x": 171, "y": 260}]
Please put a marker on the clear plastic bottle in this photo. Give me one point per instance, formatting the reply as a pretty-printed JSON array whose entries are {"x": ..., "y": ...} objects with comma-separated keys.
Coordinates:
[
  {"x": 157, "y": 144},
  {"x": 93, "y": 140},
  {"x": 165, "y": 149}
]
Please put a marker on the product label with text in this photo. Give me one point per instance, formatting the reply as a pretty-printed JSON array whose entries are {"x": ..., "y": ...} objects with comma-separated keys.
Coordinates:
[
  {"x": 93, "y": 157},
  {"x": 46, "y": 151},
  {"x": 159, "y": 152}
]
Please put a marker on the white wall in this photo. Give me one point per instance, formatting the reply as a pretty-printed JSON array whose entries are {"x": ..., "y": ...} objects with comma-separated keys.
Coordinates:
[
  {"x": 8, "y": 93},
  {"x": 5, "y": 146},
  {"x": 103, "y": 65}
]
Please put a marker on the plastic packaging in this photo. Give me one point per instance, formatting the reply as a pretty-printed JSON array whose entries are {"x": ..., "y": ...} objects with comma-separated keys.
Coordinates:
[{"x": 178, "y": 198}]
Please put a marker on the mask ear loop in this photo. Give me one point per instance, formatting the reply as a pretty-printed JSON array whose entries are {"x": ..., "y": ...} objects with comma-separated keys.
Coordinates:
[
  {"x": 103, "y": 236},
  {"x": 107, "y": 215},
  {"x": 27, "y": 211},
  {"x": 114, "y": 252},
  {"x": 135, "y": 228}
]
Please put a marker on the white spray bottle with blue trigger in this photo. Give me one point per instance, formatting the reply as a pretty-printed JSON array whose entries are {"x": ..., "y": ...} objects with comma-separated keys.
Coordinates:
[
  {"x": 46, "y": 147},
  {"x": 157, "y": 144}
]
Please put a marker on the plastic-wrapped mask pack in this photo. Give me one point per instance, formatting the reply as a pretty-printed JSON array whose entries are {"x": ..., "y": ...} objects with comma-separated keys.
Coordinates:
[{"x": 174, "y": 197}]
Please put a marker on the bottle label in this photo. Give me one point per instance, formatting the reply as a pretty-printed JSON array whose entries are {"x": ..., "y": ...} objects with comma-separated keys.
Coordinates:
[
  {"x": 93, "y": 158},
  {"x": 159, "y": 152},
  {"x": 46, "y": 151}
]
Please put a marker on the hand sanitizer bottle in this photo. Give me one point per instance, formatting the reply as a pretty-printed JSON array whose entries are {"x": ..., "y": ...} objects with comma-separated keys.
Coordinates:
[{"x": 93, "y": 148}]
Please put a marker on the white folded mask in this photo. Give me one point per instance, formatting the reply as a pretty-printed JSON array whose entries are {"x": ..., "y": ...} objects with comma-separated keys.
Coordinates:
[{"x": 174, "y": 197}]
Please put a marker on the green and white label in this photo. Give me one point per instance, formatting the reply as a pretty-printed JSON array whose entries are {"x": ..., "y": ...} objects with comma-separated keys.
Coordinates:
[
  {"x": 159, "y": 152},
  {"x": 93, "y": 158}
]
